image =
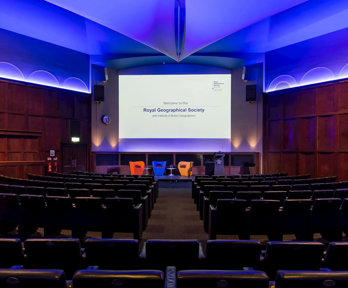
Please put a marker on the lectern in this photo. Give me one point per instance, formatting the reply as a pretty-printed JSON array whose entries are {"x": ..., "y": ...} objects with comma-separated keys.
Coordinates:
[{"x": 219, "y": 165}]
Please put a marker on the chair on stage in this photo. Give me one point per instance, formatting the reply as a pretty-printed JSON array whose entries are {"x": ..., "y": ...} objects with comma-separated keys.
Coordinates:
[
  {"x": 185, "y": 168},
  {"x": 137, "y": 167},
  {"x": 159, "y": 167}
]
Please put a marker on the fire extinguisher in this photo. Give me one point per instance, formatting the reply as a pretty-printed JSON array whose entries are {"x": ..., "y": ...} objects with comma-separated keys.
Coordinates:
[{"x": 49, "y": 159}]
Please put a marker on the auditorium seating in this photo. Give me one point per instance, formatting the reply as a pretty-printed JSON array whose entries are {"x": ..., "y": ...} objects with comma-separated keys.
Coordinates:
[
  {"x": 183, "y": 254},
  {"x": 50, "y": 253},
  {"x": 228, "y": 217},
  {"x": 290, "y": 255},
  {"x": 222, "y": 278},
  {"x": 29, "y": 278},
  {"x": 112, "y": 254},
  {"x": 311, "y": 279},
  {"x": 118, "y": 278},
  {"x": 121, "y": 215},
  {"x": 232, "y": 254}
]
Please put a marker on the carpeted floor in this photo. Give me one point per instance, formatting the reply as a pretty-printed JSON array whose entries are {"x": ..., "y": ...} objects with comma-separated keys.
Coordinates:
[{"x": 175, "y": 215}]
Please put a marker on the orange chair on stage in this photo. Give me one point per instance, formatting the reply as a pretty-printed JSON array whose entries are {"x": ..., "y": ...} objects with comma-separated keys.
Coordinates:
[
  {"x": 185, "y": 168},
  {"x": 137, "y": 167}
]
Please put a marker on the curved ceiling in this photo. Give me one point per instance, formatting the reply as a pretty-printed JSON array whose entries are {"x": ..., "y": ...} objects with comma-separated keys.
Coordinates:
[{"x": 122, "y": 34}]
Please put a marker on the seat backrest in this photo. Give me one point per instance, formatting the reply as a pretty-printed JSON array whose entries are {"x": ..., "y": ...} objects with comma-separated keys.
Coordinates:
[
  {"x": 11, "y": 252},
  {"x": 130, "y": 193},
  {"x": 275, "y": 195},
  {"x": 233, "y": 254},
  {"x": 221, "y": 278},
  {"x": 112, "y": 253},
  {"x": 53, "y": 253},
  {"x": 179, "y": 253},
  {"x": 295, "y": 255},
  {"x": 215, "y": 195},
  {"x": 322, "y": 194},
  {"x": 27, "y": 278},
  {"x": 118, "y": 278},
  {"x": 311, "y": 279},
  {"x": 300, "y": 194},
  {"x": 336, "y": 256}
]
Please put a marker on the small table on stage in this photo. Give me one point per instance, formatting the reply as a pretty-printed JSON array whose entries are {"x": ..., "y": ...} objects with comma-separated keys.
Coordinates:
[
  {"x": 171, "y": 171},
  {"x": 147, "y": 170}
]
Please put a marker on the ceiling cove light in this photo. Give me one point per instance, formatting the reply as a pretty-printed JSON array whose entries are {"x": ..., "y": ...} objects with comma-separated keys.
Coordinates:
[
  {"x": 316, "y": 75},
  {"x": 41, "y": 77}
]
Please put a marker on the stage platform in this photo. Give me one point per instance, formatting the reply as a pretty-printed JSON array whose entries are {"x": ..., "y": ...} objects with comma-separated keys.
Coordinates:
[{"x": 175, "y": 178}]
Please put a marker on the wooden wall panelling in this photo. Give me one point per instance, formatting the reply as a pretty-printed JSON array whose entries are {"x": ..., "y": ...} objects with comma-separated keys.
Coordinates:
[
  {"x": 326, "y": 100},
  {"x": 17, "y": 122},
  {"x": 3, "y": 97},
  {"x": 327, "y": 133},
  {"x": 307, "y": 164},
  {"x": 16, "y": 99},
  {"x": 275, "y": 135},
  {"x": 327, "y": 164},
  {"x": 342, "y": 96},
  {"x": 307, "y": 134},
  {"x": 36, "y": 101},
  {"x": 290, "y": 105},
  {"x": 306, "y": 102},
  {"x": 289, "y": 135},
  {"x": 32, "y": 108},
  {"x": 289, "y": 163},
  {"x": 274, "y": 106},
  {"x": 274, "y": 163},
  {"x": 343, "y": 132},
  {"x": 342, "y": 169}
]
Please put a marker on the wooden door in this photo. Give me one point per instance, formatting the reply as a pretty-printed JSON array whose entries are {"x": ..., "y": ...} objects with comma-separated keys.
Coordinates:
[{"x": 74, "y": 157}]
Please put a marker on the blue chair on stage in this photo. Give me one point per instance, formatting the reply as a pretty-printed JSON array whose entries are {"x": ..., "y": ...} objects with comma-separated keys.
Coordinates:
[{"x": 159, "y": 167}]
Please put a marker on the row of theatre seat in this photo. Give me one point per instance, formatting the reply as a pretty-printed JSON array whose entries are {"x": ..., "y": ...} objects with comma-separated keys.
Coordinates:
[
  {"x": 273, "y": 209},
  {"x": 79, "y": 214},
  {"x": 171, "y": 279},
  {"x": 118, "y": 254},
  {"x": 123, "y": 205}
]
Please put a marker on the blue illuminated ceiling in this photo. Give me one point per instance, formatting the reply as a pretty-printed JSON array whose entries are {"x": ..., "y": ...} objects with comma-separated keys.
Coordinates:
[{"x": 122, "y": 34}]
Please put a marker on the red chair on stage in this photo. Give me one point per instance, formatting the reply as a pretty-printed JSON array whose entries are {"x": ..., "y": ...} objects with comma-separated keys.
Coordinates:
[{"x": 137, "y": 167}]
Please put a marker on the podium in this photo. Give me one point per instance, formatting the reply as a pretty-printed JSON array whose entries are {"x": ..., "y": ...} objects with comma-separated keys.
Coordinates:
[
  {"x": 219, "y": 167},
  {"x": 216, "y": 165}
]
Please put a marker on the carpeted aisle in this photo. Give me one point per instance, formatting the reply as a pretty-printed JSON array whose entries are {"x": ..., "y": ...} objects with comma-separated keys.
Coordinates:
[{"x": 175, "y": 215}]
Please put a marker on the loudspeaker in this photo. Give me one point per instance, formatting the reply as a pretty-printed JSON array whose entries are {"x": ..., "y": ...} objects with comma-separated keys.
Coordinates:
[
  {"x": 98, "y": 92},
  {"x": 74, "y": 128},
  {"x": 250, "y": 73},
  {"x": 250, "y": 93},
  {"x": 99, "y": 74}
]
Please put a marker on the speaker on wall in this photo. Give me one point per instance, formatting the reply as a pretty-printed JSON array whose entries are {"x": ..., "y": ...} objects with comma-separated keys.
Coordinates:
[
  {"x": 250, "y": 72},
  {"x": 250, "y": 93},
  {"x": 98, "y": 92}
]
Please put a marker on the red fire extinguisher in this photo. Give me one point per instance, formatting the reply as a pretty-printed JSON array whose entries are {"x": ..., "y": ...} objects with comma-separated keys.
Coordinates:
[{"x": 49, "y": 159}]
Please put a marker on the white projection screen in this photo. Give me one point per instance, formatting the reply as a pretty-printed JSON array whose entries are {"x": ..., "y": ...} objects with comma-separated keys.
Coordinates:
[{"x": 196, "y": 106}]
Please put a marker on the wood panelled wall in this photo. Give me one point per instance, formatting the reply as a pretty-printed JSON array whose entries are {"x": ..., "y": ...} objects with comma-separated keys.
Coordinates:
[
  {"x": 306, "y": 131},
  {"x": 35, "y": 119}
]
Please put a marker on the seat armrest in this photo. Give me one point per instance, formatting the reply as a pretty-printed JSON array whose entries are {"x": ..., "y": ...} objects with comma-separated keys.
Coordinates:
[
  {"x": 16, "y": 267},
  {"x": 137, "y": 207},
  {"x": 170, "y": 278},
  {"x": 212, "y": 208}
]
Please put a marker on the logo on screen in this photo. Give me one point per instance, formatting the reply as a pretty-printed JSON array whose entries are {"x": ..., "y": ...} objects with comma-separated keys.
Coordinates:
[{"x": 217, "y": 86}]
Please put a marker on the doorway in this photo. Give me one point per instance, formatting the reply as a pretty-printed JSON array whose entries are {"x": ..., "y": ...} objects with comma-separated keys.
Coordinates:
[{"x": 74, "y": 158}]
